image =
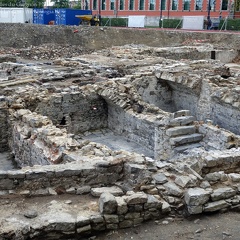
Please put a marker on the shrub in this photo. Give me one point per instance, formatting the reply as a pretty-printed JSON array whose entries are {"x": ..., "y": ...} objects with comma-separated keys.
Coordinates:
[{"x": 116, "y": 22}]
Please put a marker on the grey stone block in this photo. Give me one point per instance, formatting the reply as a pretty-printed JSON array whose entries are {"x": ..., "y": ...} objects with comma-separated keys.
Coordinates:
[
  {"x": 215, "y": 206},
  {"x": 222, "y": 193},
  {"x": 196, "y": 196},
  {"x": 107, "y": 203}
]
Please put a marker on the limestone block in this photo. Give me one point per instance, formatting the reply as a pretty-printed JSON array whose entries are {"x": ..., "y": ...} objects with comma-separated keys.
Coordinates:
[
  {"x": 107, "y": 203},
  {"x": 6, "y": 184},
  {"x": 114, "y": 190},
  {"x": 196, "y": 137},
  {"x": 84, "y": 229},
  {"x": 215, "y": 206},
  {"x": 122, "y": 207},
  {"x": 216, "y": 176},
  {"x": 165, "y": 207},
  {"x": 222, "y": 193},
  {"x": 195, "y": 209},
  {"x": 196, "y": 196},
  {"x": 111, "y": 218},
  {"x": 159, "y": 178},
  {"x": 182, "y": 130},
  {"x": 181, "y": 121},
  {"x": 136, "y": 198},
  {"x": 235, "y": 177},
  {"x": 205, "y": 184},
  {"x": 173, "y": 189},
  {"x": 183, "y": 181},
  {"x": 82, "y": 221},
  {"x": 3, "y": 174},
  {"x": 152, "y": 202},
  {"x": 133, "y": 168},
  {"x": 132, "y": 215},
  {"x": 83, "y": 190},
  {"x": 71, "y": 190},
  {"x": 97, "y": 219},
  {"x": 126, "y": 224}
]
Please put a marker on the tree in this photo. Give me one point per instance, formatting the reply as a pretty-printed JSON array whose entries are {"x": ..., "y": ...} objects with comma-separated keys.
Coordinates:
[
  {"x": 61, "y": 3},
  {"x": 11, "y": 3},
  {"x": 35, "y": 3},
  {"x": 77, "y": 5}
]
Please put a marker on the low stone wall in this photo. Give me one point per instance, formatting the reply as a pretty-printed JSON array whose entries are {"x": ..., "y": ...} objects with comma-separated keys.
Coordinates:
[{"x": 217, "y": 138}]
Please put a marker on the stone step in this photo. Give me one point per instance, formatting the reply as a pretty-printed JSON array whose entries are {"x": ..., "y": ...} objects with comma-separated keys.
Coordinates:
[
  {"x": 181, "y": 113},
  {"x": 183, "y": 148},
  {"x": 196, "y": 137},
  {"x": 181, "y": 130},
  {"x": 181, "y": 121}
]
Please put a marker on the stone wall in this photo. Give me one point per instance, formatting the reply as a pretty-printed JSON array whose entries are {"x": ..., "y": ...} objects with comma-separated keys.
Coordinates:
[
  {"x": 226, "y": 116},
  {"x": 35, "y": 140},
  {"x": 204, "y": 93},
  {"x": 218, "y": 138},
  {"x": 155, "y": 91},
  {"x": 75, "y": 111},
  {"x": 4, "y": 126}
]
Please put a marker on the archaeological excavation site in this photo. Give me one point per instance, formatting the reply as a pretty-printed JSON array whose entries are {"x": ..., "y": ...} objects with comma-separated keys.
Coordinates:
[{"x": 107, "y": 128}]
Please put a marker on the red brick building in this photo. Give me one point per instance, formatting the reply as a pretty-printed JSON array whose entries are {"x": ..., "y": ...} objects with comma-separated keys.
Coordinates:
[{"x": 165, "y": 8}]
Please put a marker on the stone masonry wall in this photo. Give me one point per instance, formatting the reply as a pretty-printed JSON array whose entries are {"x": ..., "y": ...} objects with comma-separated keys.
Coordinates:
[
  {"x": 4, "y": 129},
  {"x": 129, "y": 125},
  {"x": 75, "y": 111},
  {"x": 36, "y": 141},
  {"x": 154, "y": 91}
]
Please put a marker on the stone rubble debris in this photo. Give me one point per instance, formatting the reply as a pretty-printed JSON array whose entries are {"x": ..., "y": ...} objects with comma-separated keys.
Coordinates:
[{"x": 48, "y": 110}]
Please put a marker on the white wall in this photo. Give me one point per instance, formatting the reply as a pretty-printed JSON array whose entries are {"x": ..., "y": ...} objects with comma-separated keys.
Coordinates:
[
  {"x": 193, "y": 22},
  {"x": 136, "y": 21},
  {"x": 15, "y": 15}
]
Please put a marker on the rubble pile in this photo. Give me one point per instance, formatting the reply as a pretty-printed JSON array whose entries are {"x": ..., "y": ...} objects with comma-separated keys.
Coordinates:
[{"x": 185, "y": 112}]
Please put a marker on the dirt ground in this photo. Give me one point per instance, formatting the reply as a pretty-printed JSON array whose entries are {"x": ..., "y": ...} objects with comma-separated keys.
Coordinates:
[{"x": 212, "y": 226}]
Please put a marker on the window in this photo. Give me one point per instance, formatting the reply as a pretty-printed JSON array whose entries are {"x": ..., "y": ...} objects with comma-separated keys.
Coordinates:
[
  {"x": 152, "y": 4},
  {"x": 237, "y": 6},
  {"x": 94, "y": 4},
  {"x": 131, "y": 4},
  {"x": 103, "y": 4},
  {"x": 112, "y": 5},
  {"x": 141, "y": 5},
  {"x": 174, "y": 4},
  {"x": 198, "y": 4},
  {"x": 86, "y": 4},
  {"x": 212, "y": 5},
  {"x": 186, "y": 5},
  {"x": 121, "y": 7},
  {"x": 224, "y": 5},
  {"x": 163, "y": 5}
]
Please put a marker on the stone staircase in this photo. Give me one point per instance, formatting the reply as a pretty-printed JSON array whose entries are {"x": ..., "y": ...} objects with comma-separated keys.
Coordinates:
[{"x": 182, "y": 132}]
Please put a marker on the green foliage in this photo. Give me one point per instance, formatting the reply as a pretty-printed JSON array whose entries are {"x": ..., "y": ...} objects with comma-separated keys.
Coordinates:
[
  {"x": 11, "y": 3},
  {"x": 78, "y": 5},
  {"x": 170, "y": 23},
  {"x": 231, "y": 24},
  {"x": 115, "y": 22},
  {"x": 22, "y": 3},
  {"x": 35, "y": 3},
  {"x": 60, "y": 3}
]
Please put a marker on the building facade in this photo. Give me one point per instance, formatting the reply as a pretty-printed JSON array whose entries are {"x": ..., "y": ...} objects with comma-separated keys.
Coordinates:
[{"x": 162, "y": 8}]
